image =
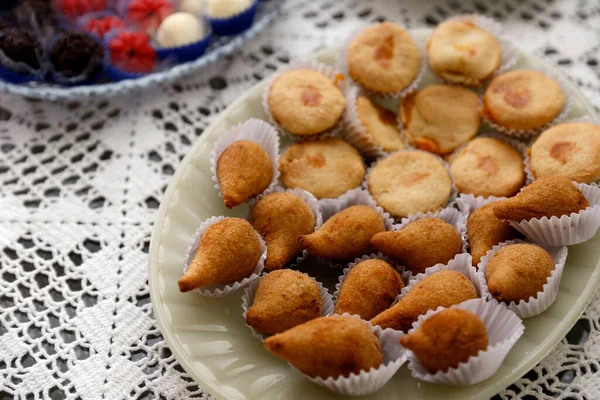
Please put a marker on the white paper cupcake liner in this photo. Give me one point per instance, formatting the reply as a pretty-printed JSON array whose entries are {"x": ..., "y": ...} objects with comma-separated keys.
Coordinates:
[
  {"x": 354, "y": 197},
  {"x": 367, "y": 382},
  {"x": 453, "y": 192},
  {"x": 529, "y": 133},
  {"x": 354, "y": 131},
  {"x": 461, "y": 263},
  {"x": 404, "y": 273},
  {"x": 312, "y": 202},
  {"x": 256, "y": 131},
  {"x": 544, "y": 299},
  {"x": 504, "y": 329},
  {"x": 222, "y": 290},
  {"x": 530, "y": 175},
  {"x": 568, "y": 229},
  {"x": 342, "y": 65},
  {"x": 296, "y": 65},
  {"x": 327, "y": 304},
  {"x": 510, "y": 53}
]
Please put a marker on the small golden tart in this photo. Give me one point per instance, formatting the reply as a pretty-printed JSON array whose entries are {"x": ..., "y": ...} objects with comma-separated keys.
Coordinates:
[
  {"x": 522, "y": 100},
  {"x": 383, "y": 58},
  {"x": 461, "y": 52},
  {"x": 380, "y": 124},
  {"x": 306, "y": 102},
  {"x": 488, "y": 167},
  {"x": 408, "y": 182},
  {"x": 441, "y": 118},
  {"x": 326, "y": 168},
  {"x": 571, "y": 150}
]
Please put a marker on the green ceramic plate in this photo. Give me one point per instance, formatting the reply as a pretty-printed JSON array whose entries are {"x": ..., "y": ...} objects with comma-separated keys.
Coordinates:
[{"x": 209, "y": 337}]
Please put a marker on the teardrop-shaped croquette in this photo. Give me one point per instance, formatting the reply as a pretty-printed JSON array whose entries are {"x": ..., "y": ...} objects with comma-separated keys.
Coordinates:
[
  {"x": 284, "y": 299},
  {"x": 369, "y": 288},
  {"x": 328, "y": 346},
  {"x": 446, "y": 339},
  {"x": 346, "y": 235},
  {"x": 441, "y": 289},
  {"x": 420, "y": 244}
]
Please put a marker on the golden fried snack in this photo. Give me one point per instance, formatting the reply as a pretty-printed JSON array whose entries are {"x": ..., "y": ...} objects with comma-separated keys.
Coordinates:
[
  {"x": 280, "y": 218},
  {"x": 461, "y": 52},
  {"x": 420, "y": 244},
  {"x": 571, "y": 149},
  {"x": 327, "y": 168},
  {"x": 284, "y": 299},
  {"x": 346, "y": 235},
  {"x": 441, "y": 289},
  {"x": 227, "y": 252},
  {"x": 380, "y": 123},
  {"x": 485, "y": 231},
  {"x": 328, "y": 346},
  {"x": 446, "y": 339},
  {"x": 369, "y": 288},
  {"x": 441, "y": 118},
  {"x": 244, "y": 170},
  {"x": 383, "y": 58},
  {"x": 550, "y": 196},
  {"x": 518, "y": 271},
  {"x": 522, "y": 99},
  {"x": 305, "y": 102}
]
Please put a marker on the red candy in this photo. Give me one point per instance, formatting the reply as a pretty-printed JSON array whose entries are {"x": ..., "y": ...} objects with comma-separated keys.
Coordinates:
[
  {"x": 132, "y": 52},
  {"x": 149, "y": 13},
  {"x": 76, "y": 8},
  {"x": 102, "y": 26}
]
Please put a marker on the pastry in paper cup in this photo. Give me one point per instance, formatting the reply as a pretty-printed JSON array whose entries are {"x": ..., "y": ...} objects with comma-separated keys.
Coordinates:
[
  {"x": 570, "y": 149},
  {"x": 354, "y": 197},
  {"x": 327, "y": 304},
  {"x": 544, "y": 298},
  {"x": 548, "y": 109},
  {"x": 373, "y": 141},
  {"x": 490, "y": 164},
  {"x": 390, "y": 355},
  {"x": 494, "y": 32},
  {"x": 380, "y": 296},
  {"x": 415, "y": 171},
  {"x": 324, "y": 109},
  {"x": 414, "y": 64},
  {"x": 222, "y": 290},
  {"x": 569, "y": 229},
  {"x": 255, "y": 131},
  {"x": 504, "y": 328},
  {"x": 315, "y": 208}
]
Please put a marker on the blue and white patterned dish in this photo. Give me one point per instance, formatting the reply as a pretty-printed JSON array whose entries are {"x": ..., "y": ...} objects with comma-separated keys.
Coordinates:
[{"x": 267, "y": 12}]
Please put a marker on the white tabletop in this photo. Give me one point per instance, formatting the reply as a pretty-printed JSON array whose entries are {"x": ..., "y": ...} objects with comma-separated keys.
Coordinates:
[{"x": 80, "y": 184}]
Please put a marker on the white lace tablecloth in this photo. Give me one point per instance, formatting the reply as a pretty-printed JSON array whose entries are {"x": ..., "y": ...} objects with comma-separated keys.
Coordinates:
[{"x": 80, "y": 184}]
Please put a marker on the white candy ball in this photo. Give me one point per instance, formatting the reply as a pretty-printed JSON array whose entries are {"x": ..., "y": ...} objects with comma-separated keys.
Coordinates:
[
  {"x": 180, "y": 29},
  {"x": 192, "y": 6},
  {"x": 226, "y": 8}
]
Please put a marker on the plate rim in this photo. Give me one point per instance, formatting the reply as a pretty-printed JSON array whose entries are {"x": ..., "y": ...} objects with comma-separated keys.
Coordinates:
[{"x": 175, "y": 346}]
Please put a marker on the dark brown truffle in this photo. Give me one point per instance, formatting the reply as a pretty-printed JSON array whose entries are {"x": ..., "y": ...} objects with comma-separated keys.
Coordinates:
[
  {"x": 19, "y": 45},
  {"x": 73, "y": 53}
]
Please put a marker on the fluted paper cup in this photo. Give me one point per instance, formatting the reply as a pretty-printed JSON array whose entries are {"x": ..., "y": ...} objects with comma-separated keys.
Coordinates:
[
  {"x": 543, "y": 299},
  {"x": 222, "y": 290},
  {"x": 504, "y": 328},
  {"x": 327, "y": 304},
  {"x": 256, "y": 131}
]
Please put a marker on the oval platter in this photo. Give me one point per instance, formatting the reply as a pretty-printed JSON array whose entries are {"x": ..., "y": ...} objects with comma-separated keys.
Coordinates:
[{"x": 209, "y": 337}]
